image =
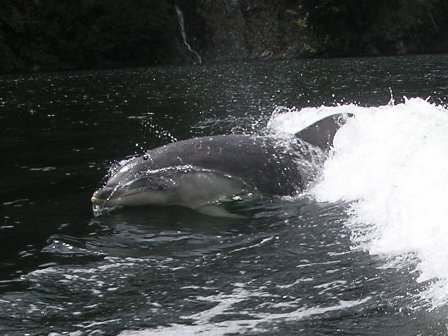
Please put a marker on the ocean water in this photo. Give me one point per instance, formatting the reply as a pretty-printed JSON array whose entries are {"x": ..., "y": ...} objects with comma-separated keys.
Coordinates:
[{"x": 361, "y": 252}]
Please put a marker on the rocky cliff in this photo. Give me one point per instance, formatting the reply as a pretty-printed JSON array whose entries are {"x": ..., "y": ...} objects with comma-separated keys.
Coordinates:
[
  {"x": 86, "y": 34},
  {"x": 226, "y": 30}
]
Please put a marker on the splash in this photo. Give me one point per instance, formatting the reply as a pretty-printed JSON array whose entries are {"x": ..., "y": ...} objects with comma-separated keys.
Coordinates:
[
  {"x": 289, "y": 121},
  {"x": 391, "y": 164}
]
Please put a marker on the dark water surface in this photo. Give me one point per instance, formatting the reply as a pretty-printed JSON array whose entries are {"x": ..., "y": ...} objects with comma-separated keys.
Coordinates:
[{"x": 287, "y": 268}]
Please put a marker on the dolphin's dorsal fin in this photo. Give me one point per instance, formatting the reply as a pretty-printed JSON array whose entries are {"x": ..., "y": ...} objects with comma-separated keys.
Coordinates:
[{"x": 322, "y": 132}]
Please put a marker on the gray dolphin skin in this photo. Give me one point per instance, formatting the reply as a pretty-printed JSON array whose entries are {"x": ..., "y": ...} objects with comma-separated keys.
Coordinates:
[
  {"x": 201, "y": 172},
  {"x": 322, "y": 132}
]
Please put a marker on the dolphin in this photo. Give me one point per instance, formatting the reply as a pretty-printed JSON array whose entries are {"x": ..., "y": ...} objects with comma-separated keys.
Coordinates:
[{"x": 199, "y": 173}]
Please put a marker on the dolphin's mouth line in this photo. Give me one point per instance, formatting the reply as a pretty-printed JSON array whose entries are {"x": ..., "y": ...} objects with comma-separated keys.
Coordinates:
[
  {"x": 96, "y": 199},
  {"x": 100, "y": 201}
]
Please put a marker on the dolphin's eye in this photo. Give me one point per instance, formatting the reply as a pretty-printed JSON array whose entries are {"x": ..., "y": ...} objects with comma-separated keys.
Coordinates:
[
  {"x": 145, "y": 156},
  {"x": 154, "y": 184},
  {"x": 161, "y": 184},
  {"x": 159, "y": 187}
]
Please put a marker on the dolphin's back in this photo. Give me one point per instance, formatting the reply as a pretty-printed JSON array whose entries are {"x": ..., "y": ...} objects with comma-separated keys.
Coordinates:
[{"x": 266, "y": 164}]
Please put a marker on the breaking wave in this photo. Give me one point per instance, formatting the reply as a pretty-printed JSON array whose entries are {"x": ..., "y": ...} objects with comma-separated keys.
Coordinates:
[{"x": 390, "y": 163}]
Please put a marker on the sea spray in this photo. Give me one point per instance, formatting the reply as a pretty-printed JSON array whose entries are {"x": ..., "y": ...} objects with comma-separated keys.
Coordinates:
[
  {"x": 286, "y": 120},
  {"x": 391, "y": 164}
]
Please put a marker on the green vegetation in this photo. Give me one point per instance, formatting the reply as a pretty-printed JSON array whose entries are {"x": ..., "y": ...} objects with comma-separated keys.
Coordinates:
[{"x": 74, "y": 34}]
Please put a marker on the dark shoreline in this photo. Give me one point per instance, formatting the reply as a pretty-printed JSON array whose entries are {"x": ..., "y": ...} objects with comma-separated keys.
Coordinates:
[{"x": 46, "y": 36}]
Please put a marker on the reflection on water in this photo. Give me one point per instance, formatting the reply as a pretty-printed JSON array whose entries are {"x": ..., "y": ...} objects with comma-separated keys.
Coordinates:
[{"x": 288, "y": 267}]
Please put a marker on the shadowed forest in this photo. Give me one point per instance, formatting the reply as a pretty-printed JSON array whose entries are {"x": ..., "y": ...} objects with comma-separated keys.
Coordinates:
[{"x": 41, "y": 35}]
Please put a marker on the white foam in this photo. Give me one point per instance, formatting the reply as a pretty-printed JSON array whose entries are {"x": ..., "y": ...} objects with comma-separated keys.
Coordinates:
[
  {"x": 391, "y": 163},
  {"x": 291, "y": 120},
  {"x": 204, "y": 325}
]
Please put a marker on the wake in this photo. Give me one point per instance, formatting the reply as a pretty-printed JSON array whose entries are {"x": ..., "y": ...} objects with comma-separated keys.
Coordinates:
[{"x": 391, "y": 163}]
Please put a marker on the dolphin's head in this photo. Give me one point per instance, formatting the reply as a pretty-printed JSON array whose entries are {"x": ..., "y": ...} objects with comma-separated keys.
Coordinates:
[
  {"x": 134, "y": 182},
  {"x": 152, "y": 189},
  {"x": 137, "y": 182}
]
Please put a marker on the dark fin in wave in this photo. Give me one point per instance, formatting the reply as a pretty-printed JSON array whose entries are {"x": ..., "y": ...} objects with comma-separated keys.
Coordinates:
[{"x": 322, "y": 132}]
